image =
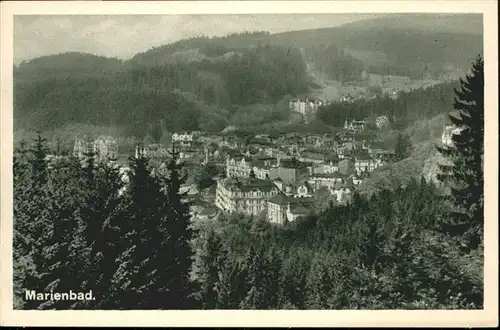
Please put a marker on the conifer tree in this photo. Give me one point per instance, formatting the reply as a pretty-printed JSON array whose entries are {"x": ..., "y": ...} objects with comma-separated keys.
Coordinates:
[
  {"x": 465, "y": 174},
  {"x": 39, "y": 153},
  {"x": 32, "y": 223},
  {"x": 179, "y": 228},
  {"x": 103, "y": 214},
  {"x": 21, "y": 242},
  {"x": 209, "y": 271},
  {"x": 231, "y": 284},
  {"x": 403, "y": 147},
  {"x": 143, "y": 257},
  {"x": 256, "y": 279},
  {"x": 62, "y": 260}
]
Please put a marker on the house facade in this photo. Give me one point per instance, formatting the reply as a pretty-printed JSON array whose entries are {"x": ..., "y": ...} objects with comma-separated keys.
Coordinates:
[
  {"x": 82, "y": 147},
  {"x": 183, "y": 139},
  {"x": 318, "y": 181},
  {"x": 104, "y": 148},
  {"x": 305, "y": 108},
  {"x": 365, "y": 164},
  {"x": 238, "y": 167},
  {"x": 276, "y": 209},
  {"x": 282, "y": 208},
  {"x": 355, "y": 125},
  {"x": 247, "y": 197}
]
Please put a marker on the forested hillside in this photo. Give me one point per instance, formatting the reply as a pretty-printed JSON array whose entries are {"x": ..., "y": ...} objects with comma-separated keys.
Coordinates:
[
  {"x": 183, "y": 96},
  {"x": 413, "y": 45},
  {"x": 407, "y": 108},
  {"x": 207, "y": 83}
]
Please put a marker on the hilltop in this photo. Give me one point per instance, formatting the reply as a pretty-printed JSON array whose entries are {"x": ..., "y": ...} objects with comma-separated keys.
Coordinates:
[{"x": 242, "y": 79}]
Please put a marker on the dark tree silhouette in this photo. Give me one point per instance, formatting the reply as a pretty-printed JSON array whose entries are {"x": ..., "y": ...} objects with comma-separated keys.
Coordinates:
[{"x": 465, "y": 173}]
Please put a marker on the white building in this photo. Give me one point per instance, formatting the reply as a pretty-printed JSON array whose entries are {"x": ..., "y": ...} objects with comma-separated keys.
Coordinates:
[
  {"x": 248, "y": 196},
  {"x": 242, "y": 167},
  {"x": 105, "y": 148},
  {"x": 276, "y": 209},
  {"x": 318, "y": 181},
  {"x": 342, "y": 193},
  {"x": 326, "y": 168},
  {"x": 282, "y": 208},
  {"x": 355, "y": 125},
  {"x": 364, "y": 163},
  {"x": 448, "y": 132},
  {"x": 183, "y": 139},
  {"x": 305, "y": 108},
  {"x": 82, "y": 147},
  {"x": 381, "y": 121},
  {"x": 151, "y": 151}
]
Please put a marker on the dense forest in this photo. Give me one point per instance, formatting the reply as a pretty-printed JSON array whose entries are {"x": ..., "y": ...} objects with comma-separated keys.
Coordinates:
[
  {"x": 406, "y": 44},
  {"x": 208, "y": 83},
  {"x": 334, "y": 63},
  {"x": 406, "y": 108},
  {"x": 409, "y": 247},
  {"x": 183, "y": 96}
]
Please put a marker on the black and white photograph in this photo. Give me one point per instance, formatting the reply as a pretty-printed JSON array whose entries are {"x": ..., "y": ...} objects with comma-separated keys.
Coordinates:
[{"x": 249, "y": 161}]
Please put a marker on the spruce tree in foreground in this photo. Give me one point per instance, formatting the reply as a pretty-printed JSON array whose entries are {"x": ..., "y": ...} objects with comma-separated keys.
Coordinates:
[
  {"x": 209, "y": 271},
  {"x": 180, "y": 254},
  {"x": 142, "y": 278},
  {"x": 466, "y": 155}
]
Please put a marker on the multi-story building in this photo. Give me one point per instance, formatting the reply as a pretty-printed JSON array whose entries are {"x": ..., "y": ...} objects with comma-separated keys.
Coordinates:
[
  {"x": 231, "y": 142},
  {"x": 282, "y": 208},
  {"x": 312, "y": 157},
  {"x": 342, "y": 193},
  {"x": 355, "y": 125},
  {"x": 306, "y": 108},
  {"x": 276, "y": 209},
  {"x": 183, "y": 139},
  {"x": 326, "y": 168},
  {"x": 242, "y": 167},
  {"x": 238, "y": 167},
  {"x": 364, "y": 163},
  {"x": 287, "y": 174},
  {"x": 82, "y": 147},
  {"x": 155, "y": 151},
  {"x": 104, "y": 148},
  {"x": 295, "y": 211},
  {"x": 262, "y": 172},
  {"x": 325, "y": 180},
  {"x": 247, "y": 197}
]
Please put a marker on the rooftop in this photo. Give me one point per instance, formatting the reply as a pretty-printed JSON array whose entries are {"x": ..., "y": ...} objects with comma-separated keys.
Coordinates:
[
  {"x": 279, "y": 200},
  {"x": 299, "y": 210},
  {"x": 209, "y": 210},
  {"x": 333, "y": 175},
  {"x": 249, "y": 184}
]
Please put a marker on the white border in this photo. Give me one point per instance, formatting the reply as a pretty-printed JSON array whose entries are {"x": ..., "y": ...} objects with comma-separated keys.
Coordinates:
[{"x": 462, "y": 318}]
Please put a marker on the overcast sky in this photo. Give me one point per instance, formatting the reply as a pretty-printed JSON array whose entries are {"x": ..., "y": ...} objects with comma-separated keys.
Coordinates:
[{"x": 124, "y": 36}]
